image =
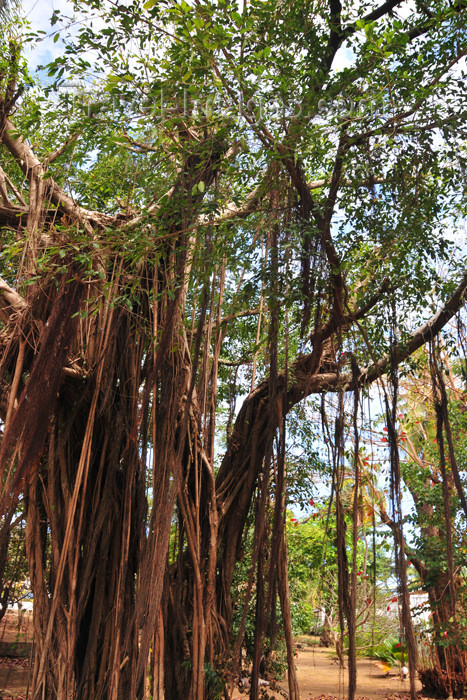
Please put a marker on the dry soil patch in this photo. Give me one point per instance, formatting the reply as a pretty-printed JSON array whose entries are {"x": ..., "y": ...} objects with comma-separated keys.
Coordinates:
[
  {"x": 319, "y": 676},
  {"x": 318, "y": 672}
]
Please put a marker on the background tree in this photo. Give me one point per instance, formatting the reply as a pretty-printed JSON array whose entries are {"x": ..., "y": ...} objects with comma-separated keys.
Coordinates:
[{"x": 437, "y": 534}]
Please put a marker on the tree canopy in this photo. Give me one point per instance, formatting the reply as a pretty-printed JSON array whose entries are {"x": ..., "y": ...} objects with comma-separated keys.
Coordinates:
[{"x": 210, "y": 212}]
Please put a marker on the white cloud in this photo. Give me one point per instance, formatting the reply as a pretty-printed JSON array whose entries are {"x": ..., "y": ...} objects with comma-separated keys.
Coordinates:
[
  {"x": 39, "y": 13},
  {"x": 344, "y": 58},
  {"x": 405, "y": 9}
]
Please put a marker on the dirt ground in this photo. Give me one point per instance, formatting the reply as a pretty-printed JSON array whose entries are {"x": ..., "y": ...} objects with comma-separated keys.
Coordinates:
[
  {"x": 15, "y": 628},
  {"x": 319, "y": 674},
  {"x": 319, "y": 677},
  {"x": 317, "y": 669}
]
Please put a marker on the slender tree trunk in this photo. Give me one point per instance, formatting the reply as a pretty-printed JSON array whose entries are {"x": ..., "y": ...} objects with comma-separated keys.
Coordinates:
[{"x": 284, "y": 596}]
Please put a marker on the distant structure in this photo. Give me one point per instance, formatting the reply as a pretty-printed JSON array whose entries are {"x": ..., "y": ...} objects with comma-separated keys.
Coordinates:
[{"x": 418, "y": 606}]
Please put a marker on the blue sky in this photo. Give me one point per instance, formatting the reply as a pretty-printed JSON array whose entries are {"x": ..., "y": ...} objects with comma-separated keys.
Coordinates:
[{"x": 38, "y": 13}]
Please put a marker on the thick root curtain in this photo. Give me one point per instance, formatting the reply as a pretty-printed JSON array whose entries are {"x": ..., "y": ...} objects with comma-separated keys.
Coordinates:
[{"x": 185, "y": 260}]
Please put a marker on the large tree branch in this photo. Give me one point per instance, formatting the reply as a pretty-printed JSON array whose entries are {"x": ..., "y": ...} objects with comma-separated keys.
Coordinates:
[
  {"x": 11, "y": 302},
  {"x": 233, "y": 211},
  {"x": 33, "y": 169},
  {"x": 323, "y": 221},
  {"x": 397, "y": 122},
  {"x": 334, "y": 323},
  {"x": 339, "y": 34},
  {"x": 382, "y": 10},
  {"x": 335, "y": 181},
  {"x": 14, "y": 189},
  {"x": 335, "y": 35},
  {"x": 3, "y": 190},
  {"x": 61, "y": 150},
  {"x": 386, "y": 8},
  {"x": 345, "y": 382},
  {"x": 13, "y": 216}
]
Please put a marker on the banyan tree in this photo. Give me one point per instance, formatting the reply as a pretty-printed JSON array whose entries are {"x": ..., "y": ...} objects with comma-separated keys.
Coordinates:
[{"x": 209, "y": 213}]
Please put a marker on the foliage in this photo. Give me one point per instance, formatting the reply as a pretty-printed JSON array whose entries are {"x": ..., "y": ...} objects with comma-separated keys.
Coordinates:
[
  {"x": 421, "y": 471},
  {"x": 214, "y": 683},
  {"x": 311, "y": 550},
  {"x": 390, "y": 651},
  {"x": 215, "y": 222}
]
